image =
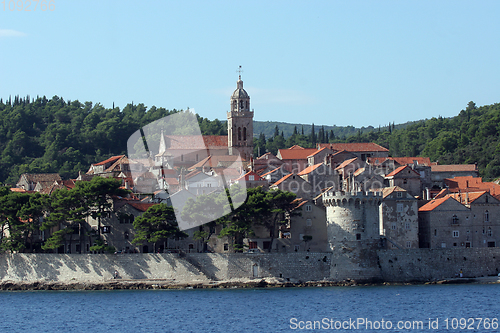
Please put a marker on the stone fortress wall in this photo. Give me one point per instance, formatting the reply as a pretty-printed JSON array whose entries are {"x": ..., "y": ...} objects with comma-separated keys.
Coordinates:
[{"x": 391, "y": 265}]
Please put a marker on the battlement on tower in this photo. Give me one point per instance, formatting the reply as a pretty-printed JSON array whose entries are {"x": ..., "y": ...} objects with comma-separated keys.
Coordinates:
[{"x": 344, "y": 194}]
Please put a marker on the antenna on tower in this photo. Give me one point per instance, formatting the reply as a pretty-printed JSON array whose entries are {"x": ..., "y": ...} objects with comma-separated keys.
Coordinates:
[{"x": 239, "y": 71}]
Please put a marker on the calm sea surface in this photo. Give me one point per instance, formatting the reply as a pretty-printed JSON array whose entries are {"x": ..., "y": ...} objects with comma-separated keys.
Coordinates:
[{"x": 256, "y": 310}]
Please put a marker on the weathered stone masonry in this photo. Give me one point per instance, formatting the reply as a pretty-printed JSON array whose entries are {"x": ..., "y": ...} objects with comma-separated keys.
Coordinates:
[{"x": 364, "y": 264}]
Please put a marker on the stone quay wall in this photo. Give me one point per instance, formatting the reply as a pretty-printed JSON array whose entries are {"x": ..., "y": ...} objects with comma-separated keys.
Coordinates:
[
  {"x": 381, "y": 265},
  {"x": 437, "y": 264}
]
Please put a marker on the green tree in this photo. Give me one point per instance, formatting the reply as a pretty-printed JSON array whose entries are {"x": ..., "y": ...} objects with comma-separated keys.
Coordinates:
[{"x": 157, "y": 224}]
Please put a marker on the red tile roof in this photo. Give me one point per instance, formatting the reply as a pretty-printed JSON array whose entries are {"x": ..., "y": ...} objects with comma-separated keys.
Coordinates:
[
  {"x": 471, "y": 184},
  {"x": 192, "y": 174},
  {"x": 196, "y": 142},
  {"x": 250, "y": 173},
  {"x": 454, "y": 168},
  {"x": 270, "y": 172},
  {"x": 41, "y": 177},
  {"x": 309, "y": 169},
  {"x": 169, "y": 173},
  {"x": 110, "y": 160},
  {"x": 217, "y": 160},
  {"x": 346, "y": 163},
  {"x": 400, "y": 169},
  {"x": 431, "y": 205},
  {"x": 354, "y": 147},
  {"x": 266, "y": 156},
  {"x": 466, "y": 197},
  {"x": 295, "y": 153},
  {"x": 388, "y": 190},
  {"x": 141, "y": 205},
  {"x": 283, "y": 179},
  {"x": 401, "y": 160},
  {"x": 317, "y": 151}
]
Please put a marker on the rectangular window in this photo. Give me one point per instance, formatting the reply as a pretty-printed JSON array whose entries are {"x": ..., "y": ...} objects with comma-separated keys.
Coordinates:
[
  {"x": 407, "y": 225},
  {"x": 393, "y": 226},
  {"x": 455, "y": 233},
  {"x": 251, "y": 177},
  {"x": 252, "y": 245},
  {"x": 400, "y": 194},
  {"x": 408, "y": 244},
  {"x": 226, "y": 247},
  {"x": 266, "y": 245},
  {"x": 399, "y": 207},
  {"x": 106, "y": 229},
  {"x": 443, "y": 245},
  {"x": 297, "y": 248},
  {"x": 309, "y": 222},
  {"x": 308, "y": 208}
]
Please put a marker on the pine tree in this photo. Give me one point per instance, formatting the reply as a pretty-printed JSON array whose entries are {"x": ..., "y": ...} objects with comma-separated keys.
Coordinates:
[
  {"x": 313, "y": 136},
  {"x": 276, "y": 131}
]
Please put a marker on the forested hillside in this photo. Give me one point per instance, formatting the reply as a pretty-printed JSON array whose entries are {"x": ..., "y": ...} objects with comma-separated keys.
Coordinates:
[
  {"x": 54, "y": 135},
  {"x": 42, "y": 135},
  {"x": 471, "y": 137}
]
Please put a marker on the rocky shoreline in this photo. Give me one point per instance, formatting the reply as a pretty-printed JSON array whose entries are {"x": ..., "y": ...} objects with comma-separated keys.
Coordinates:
[{"x": 247, "y": 283}]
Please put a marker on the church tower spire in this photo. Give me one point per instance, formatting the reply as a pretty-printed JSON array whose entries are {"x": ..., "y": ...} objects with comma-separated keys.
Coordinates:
[{"x": 240, "y": 122}]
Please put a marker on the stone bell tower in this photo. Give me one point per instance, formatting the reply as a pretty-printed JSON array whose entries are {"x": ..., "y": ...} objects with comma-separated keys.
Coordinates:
[{"x": 240, "y": 123}]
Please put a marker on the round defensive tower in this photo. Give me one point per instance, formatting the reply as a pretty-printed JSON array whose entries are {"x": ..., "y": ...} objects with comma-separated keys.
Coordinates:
[
  {"x": 352, "y": 216},
  {"x": 353, "y": 234}
]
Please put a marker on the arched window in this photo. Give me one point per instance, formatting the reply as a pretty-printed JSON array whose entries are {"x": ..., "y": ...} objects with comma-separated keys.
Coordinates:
[
  {"x": 241, "y": 104},
  {"x": 244, "y": 134},
  {"x": 239, "y": 133},
  {"x": 486, "y": 216},
  {"x": 247, "y": 105},
  {"x": 235, "y": 105}
]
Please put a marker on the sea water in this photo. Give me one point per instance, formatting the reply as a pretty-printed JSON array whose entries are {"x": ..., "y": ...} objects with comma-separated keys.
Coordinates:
[{"x": 413, "y": 308}]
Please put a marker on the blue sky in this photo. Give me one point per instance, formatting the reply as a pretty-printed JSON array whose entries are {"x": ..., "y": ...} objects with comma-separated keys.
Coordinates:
[{"x": 329, "y": 62}]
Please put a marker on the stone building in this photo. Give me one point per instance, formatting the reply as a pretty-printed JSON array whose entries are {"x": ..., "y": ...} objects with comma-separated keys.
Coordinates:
[
  {"x": 407, "y": 178},
  {"x": 29, "y": 181},
  {"x": 460, "y": 220},
  {"x": 399, "y": 219},
  {"x": 320, "y": 176},
  {"x": 295, "y": 158},
  {"x": 308, "y": 229},
  {"x": 319, "y": 156},
  {"x": 295, "y": 184},
  {"x": 362, "y": 150},
  {"x": 441, "y": 172}
]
